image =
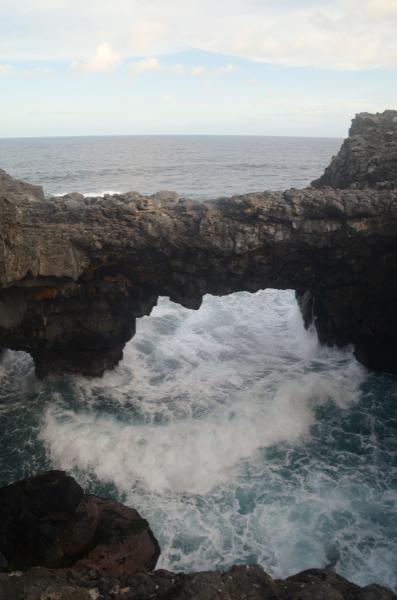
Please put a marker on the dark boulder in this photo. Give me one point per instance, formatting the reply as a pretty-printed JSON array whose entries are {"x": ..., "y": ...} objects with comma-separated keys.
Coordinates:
[{"x": 47, "y": 520}]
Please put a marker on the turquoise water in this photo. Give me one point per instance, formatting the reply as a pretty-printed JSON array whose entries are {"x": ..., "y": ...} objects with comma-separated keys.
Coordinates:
[{"x": 229, "y": 428}]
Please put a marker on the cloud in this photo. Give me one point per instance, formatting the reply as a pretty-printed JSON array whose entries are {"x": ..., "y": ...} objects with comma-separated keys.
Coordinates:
[
  {"x": 382, "y": 9},
  {"x": 6, "y": 69},
  {"x": 230, "y": 68},
  {"x": 167, "y": 98},
  {"x": 223, "y": 70},
  {"x": 146, "y": 65},
  {"x": 145, "y": 35},
  {"x": 26, "y": 73},
  {"x": 332, "y": 34},
  {"x": 179, "y": 69},
  {"x": 197, "y": 71},
  {"x": 104, "y": 59}
]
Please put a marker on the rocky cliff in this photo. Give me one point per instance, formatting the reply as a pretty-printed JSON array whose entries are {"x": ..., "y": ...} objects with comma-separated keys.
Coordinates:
[
  {"x": 76, "y": 272},
  {"x": 368, "y": 157}
]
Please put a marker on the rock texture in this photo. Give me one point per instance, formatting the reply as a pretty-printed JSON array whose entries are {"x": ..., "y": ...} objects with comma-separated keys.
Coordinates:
[
  {"x": 238, "y": 583},
  {"x": 48, "y": 521},
  {"x": 368, "y": 157},
  {"x": 76, "y": 272}
]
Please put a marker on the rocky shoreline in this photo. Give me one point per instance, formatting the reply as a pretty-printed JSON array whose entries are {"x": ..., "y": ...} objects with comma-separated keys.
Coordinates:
[
  {"x": 57, "y": 543},
  {"x": 76, "y": 272}
]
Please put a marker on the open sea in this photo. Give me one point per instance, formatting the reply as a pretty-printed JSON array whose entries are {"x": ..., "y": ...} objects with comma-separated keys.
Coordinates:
[{"x": 230, "y": 429}]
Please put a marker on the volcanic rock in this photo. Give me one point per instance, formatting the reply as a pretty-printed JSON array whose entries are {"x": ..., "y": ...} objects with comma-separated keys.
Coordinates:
[
  {"x": 9, "y": 185},
  {"x": 76, "y": 272},
  {"x": 368, "y": 157},
  {"x": 47, "y": 520},
  {"x": 244, "y": 582}
]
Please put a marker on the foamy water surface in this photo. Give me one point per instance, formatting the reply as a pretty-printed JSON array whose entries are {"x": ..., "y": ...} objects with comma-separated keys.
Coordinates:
[{"x": 232, "y": 432}]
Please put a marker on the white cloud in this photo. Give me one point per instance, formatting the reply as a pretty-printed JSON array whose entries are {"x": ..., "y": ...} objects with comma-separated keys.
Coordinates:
[
  {"x": 25, "y": 73},
  {"x": 104, "y": 59},
  {"x": 146, "y": 65},
  {"x": 145, "y": 35},
  {"x": 6, "y": 69},
  {"x": 197, "y": 71},
  {"x": 179, "y": 69},
  {"x": 223, "y": 70},
  {"x": 230, "y": 68},
  {"x": 382, "y": 8},
  {"x": 167, "y": 98},
  {"x": 336, "y": 34}
]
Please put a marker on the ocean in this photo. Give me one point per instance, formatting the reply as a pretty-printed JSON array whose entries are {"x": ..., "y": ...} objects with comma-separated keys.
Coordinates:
[{"x": 230, "y": 429}]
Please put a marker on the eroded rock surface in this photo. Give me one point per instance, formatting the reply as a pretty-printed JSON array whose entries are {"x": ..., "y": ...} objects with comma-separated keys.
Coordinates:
[
  {"x": 76, "y": 272},
  {"x": 48, "y": 521},
  {"x": 238, "y": 583},
  {"x": 368, "y": 157}
]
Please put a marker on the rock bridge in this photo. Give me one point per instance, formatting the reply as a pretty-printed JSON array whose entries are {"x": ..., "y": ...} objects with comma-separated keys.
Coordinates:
[{"x": 76, "y": 272}]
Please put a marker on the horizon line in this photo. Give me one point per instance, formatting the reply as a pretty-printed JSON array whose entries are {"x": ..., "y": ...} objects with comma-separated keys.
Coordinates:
[{"x": 100, "y": 135}]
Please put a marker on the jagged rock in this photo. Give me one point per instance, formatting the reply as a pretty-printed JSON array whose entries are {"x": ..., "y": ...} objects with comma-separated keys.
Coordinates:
[
  {"x": 75, "y": 314},
  {"x": 124, "y": 542},
  {"x": 367, "y": 159},
  {"x": 238, "y": 583},
  {"x": 368, "y": 156},
  {"x": 76, "y": 272},
  {"x": 14, "y": 187},
  {"x": 47, "y": 520}
]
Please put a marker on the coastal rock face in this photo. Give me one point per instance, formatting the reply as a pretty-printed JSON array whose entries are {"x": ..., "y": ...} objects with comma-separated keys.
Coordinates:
[
  {"x": 9, "y": 185},
  {"x": 76, "y": 272},
  {"x": 48, "y": 521},
  {"x": 368, "y": 157}
]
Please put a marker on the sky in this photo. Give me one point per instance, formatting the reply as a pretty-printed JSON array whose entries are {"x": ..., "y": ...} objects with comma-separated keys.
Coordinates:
[{"x": 241, "y": 67}]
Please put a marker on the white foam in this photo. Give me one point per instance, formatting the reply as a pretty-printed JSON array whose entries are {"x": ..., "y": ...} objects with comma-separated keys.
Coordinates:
[
  {"x": 100, "y": 194},
  {"x": 17, "y": 376},
  {"x": 203, "y": 414},
  {"x": 189, "y": 456},
  {"x": 210, "y": 428}
]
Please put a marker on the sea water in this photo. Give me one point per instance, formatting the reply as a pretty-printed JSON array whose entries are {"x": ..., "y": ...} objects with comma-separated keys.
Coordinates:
[{"x": 230, "y": 429}]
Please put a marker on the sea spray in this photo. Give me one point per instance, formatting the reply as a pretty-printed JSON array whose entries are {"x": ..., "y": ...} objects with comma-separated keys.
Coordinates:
[{"x": 239, "y": 438}]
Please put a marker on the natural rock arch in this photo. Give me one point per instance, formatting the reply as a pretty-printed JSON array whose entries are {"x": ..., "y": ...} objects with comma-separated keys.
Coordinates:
[{"x": 76, "y": 272}]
